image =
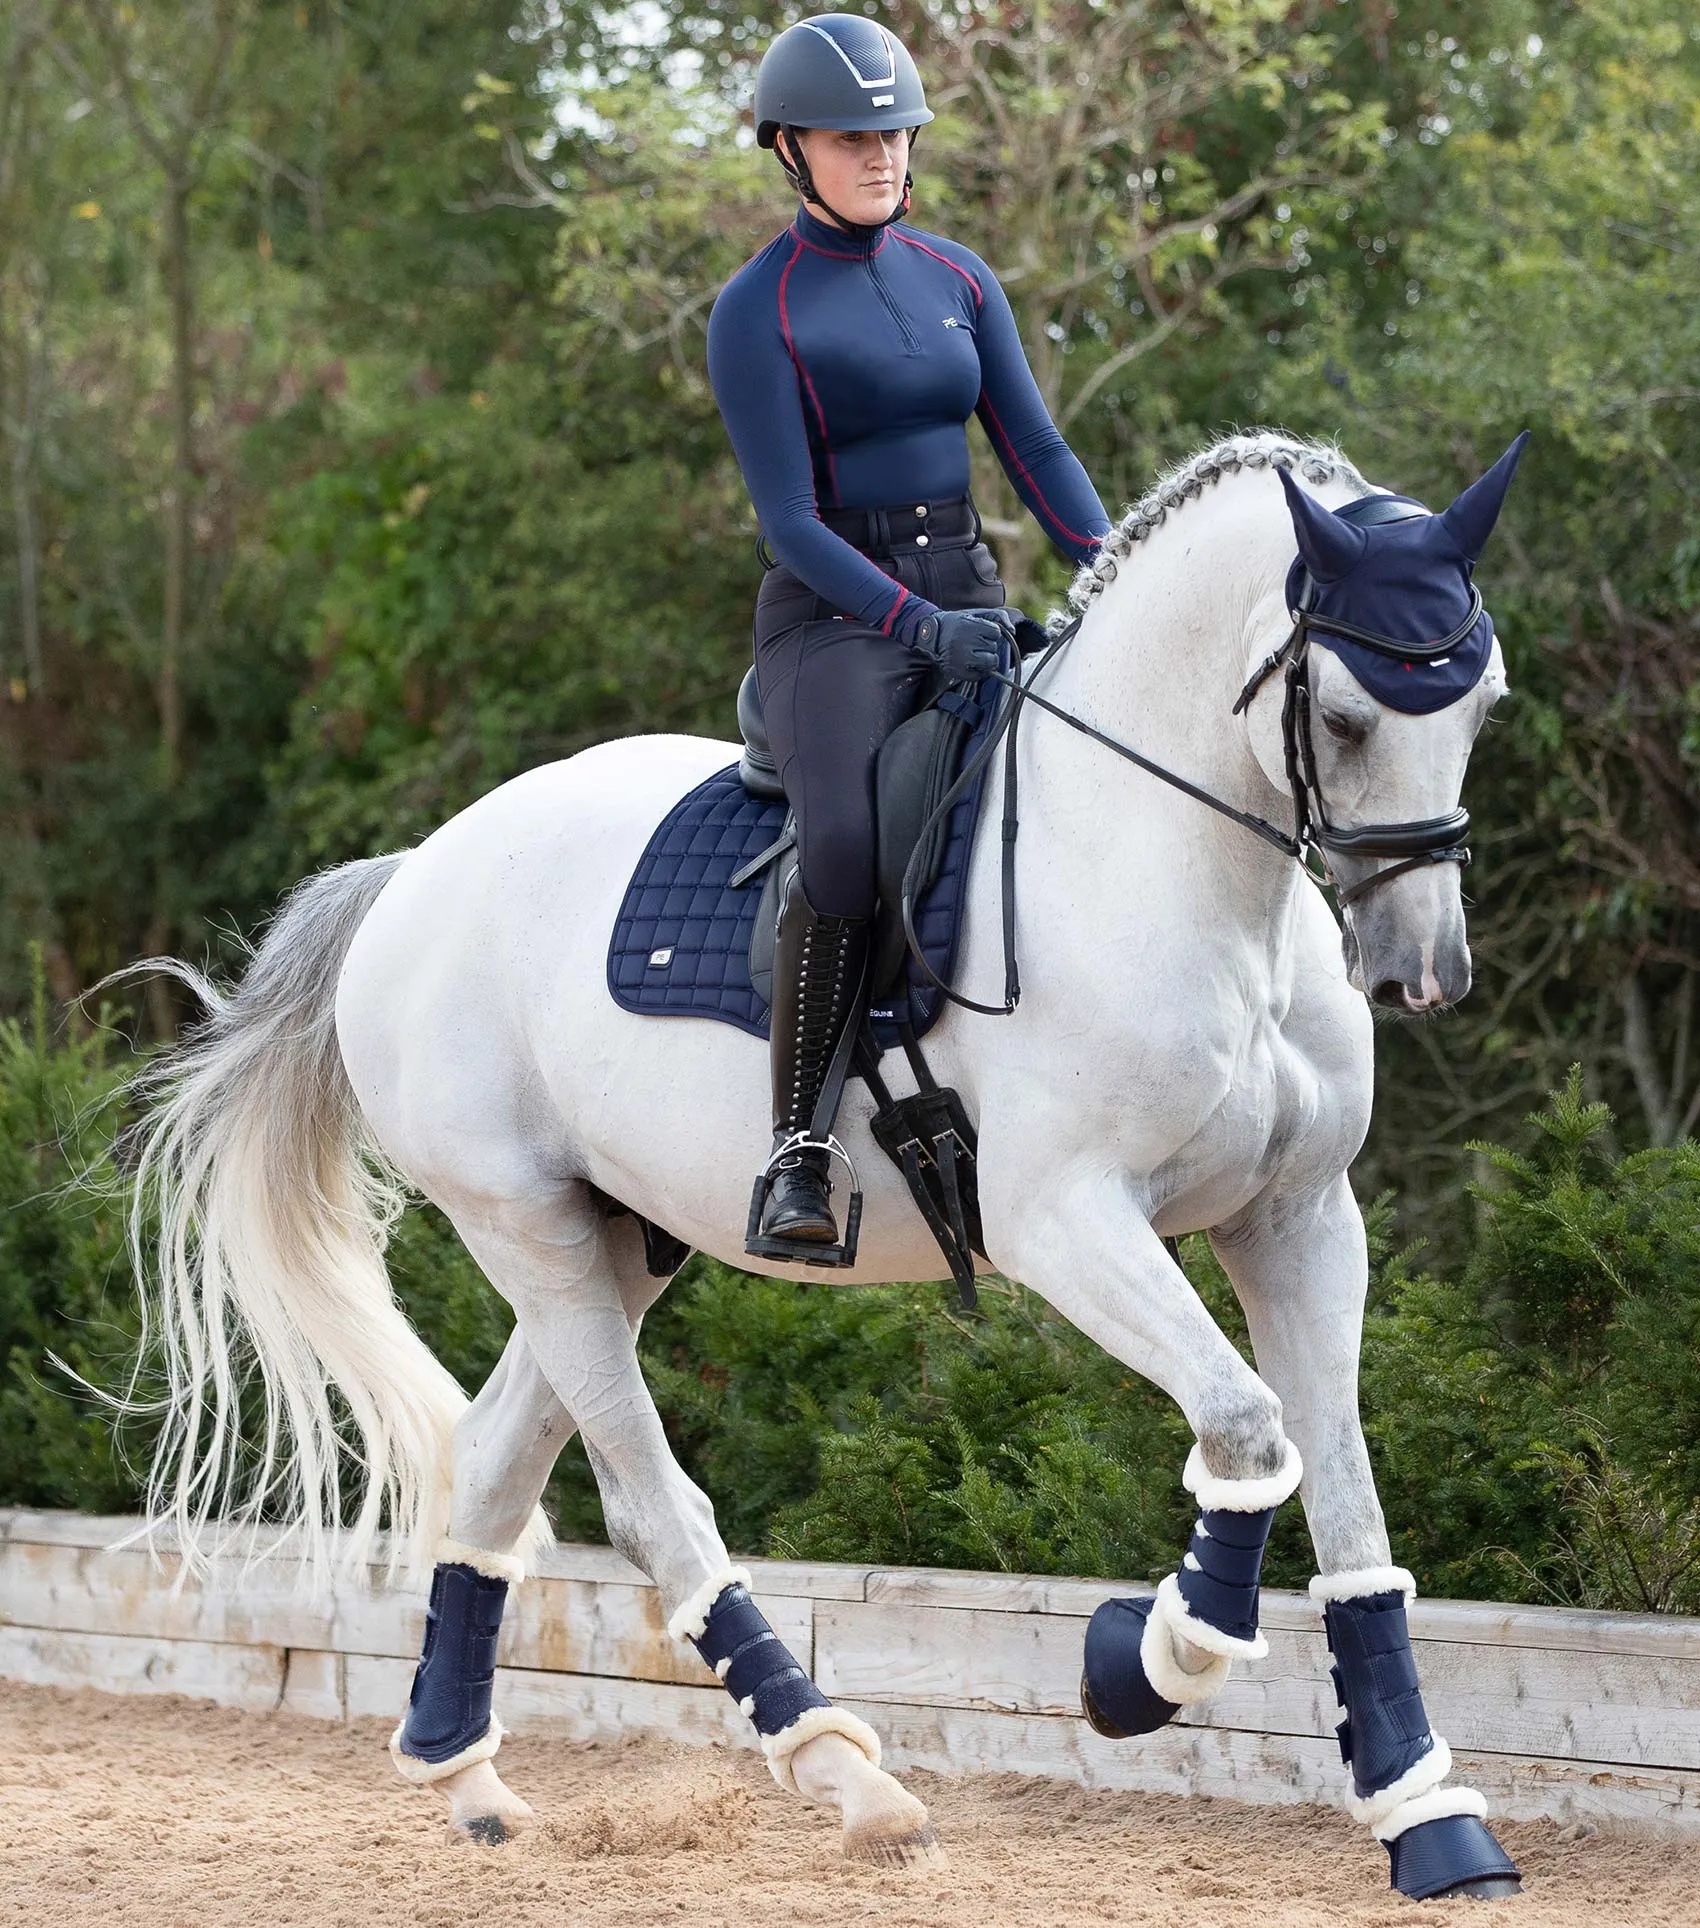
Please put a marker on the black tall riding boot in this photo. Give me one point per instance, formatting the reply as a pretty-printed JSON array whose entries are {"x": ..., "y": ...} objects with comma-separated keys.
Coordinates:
[{"x": 819, "y": 969}]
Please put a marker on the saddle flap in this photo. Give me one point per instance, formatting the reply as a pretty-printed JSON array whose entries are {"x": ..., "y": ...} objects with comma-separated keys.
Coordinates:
[{"x": 917, "y": 764}]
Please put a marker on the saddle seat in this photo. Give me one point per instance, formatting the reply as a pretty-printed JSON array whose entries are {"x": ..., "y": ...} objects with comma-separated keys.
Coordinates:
[{"x": 916, "y": 765}]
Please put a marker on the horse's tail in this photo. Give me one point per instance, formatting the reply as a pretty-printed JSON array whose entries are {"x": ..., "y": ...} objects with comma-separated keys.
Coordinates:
[{"x": 258, "y": 1223}]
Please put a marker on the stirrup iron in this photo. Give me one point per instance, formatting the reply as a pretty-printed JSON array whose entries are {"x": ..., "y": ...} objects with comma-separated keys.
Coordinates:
[{"x": 797, "y": 1251}]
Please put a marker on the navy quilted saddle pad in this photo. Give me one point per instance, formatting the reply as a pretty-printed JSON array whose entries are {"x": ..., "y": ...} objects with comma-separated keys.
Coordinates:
[{"x": 681, "y": 943}]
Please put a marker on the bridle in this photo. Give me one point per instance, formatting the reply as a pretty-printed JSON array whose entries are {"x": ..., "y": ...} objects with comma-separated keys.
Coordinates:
[
  {"x": 1411, "y": 845},
  {"x": 1418, "y": 841}
]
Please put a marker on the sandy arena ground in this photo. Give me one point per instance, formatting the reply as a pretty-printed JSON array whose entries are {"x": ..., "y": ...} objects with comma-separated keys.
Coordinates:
[{"x": 172, "y": 1814}]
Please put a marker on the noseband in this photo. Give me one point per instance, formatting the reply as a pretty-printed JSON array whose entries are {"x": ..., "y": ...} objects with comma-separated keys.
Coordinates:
[{"x": 1419, "y": 841}]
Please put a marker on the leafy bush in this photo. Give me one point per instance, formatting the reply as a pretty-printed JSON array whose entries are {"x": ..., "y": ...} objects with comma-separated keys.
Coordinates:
[
  {"x": 1534, "y": 1423},
  {"x": 65, "y": 1283}
]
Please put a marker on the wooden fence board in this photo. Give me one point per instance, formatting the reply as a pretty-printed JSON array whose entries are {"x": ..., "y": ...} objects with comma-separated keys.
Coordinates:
[
  {"x": 1538, "y": 1701},
  {"x": 566, "y": 1626},
  {"x": 575, "y": 1627},
  {"x": 1573, "y": 1715},
  {"x": 84, "y": 1589},
  {"x": 245, "y": 1677}
]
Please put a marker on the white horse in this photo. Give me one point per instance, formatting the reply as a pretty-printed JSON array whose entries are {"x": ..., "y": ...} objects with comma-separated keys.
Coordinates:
[{"x": 1192, "y": 1053}]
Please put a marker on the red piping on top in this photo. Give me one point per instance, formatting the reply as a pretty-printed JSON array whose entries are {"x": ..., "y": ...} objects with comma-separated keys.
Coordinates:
[
  {"x": 1086, "y": 542},
  {"x": 910, "y": 241},
  {"x": 891, "y": 614},
  {"x": 803, "y": 373}
]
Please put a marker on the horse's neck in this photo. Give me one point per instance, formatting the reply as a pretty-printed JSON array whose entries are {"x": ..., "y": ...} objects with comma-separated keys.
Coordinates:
[{"x": 1157, "y": 664}]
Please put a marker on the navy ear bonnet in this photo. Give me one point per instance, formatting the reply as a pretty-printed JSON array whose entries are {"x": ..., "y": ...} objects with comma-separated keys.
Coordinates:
[{"x": 1387, "y": 568}]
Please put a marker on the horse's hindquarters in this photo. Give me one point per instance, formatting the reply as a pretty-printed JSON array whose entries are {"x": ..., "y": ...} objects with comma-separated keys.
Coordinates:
[{"x": 492, "y": 1063}]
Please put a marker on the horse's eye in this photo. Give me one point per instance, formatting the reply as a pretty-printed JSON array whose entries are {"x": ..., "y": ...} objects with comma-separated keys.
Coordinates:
[{"x": 1343, "y": 729}]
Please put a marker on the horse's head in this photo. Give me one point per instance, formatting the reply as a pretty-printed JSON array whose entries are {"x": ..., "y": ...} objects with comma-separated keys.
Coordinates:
[{"x": 1390, "y": 670}]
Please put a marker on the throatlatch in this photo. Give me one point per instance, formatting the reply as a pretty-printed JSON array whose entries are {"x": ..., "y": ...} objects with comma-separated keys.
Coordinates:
[
  {"x": 761, "y": 1674},
  {"x": 448, "y": 1725},
  {"x": 1436, "y": 1838},
  {"x": 1133, "y": 1681}
]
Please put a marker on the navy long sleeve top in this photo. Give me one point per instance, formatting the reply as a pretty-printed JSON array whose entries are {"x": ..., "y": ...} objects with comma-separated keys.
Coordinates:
[{"x": 846, "y": 372}]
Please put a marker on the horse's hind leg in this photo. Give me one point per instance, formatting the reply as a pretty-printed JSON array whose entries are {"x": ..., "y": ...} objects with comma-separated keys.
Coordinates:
[
  {"x": 1300, "y": 1268},
  {"x": 505, "y": 1447},
  {"x": 551, "y": 1257}
]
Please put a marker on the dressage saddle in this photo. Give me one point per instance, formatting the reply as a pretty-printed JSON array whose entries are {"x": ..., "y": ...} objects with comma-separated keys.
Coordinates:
[{"x": 916, "y": 765}]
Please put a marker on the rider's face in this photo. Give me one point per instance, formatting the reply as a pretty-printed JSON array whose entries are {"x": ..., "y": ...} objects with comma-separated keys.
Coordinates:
[{"x": 859, "y": 175}]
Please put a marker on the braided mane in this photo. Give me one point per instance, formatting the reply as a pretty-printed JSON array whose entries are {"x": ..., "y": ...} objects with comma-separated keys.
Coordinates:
[{"x": 1260, "y": 448}]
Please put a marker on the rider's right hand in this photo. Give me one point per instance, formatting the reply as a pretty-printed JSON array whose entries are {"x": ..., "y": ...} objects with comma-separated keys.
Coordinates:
[{"x": 965, "y": 643}]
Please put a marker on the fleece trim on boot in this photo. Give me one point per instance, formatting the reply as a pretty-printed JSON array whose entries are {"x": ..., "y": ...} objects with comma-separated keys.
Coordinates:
[
  {"x": 689, "y": 1620},
  {"x": 1440, "y": 1804},
  {"x": 1241, "y": 1495},
  {"x": 1423, "y": 1775},
  {"x": 493, "y": 1566},
  {"x": 807, "y": 1727},
  {"x": 1164, "y": 1672},
  {"x": 422, "y": 1773},
  {"x": 1362, "y": 1583},
  {"x": 1200, "y": 1633}
]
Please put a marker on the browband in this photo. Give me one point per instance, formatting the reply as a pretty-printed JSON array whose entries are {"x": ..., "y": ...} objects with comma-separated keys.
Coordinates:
[{"x": 1385, "y": 645}]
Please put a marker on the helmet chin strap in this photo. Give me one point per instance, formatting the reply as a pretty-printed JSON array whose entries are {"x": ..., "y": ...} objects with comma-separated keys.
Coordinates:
[{"x": 796, "y": 166}]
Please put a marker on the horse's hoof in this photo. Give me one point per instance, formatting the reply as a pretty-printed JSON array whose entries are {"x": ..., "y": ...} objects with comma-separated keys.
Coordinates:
[
  {"x": 917, "y": 1851},
  {"x": 1450, "y": 1856},
  {"x": 487, "y": 1830},
  {"x": 1115, "y": 1696}
]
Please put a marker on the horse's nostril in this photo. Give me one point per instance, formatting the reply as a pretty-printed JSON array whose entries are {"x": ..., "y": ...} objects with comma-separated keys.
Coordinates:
[{"x": 1389, "y": 994}]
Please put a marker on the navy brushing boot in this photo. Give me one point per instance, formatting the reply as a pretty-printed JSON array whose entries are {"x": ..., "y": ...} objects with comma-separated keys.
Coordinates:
[
  {"x": 449, "y": 1725},
  {"x": 883, "y": 1822},
  {"x": 761, "y": 1674},
  {"x": 1436, "y": 1837},
  {"x": 1132, "y": 1681}
]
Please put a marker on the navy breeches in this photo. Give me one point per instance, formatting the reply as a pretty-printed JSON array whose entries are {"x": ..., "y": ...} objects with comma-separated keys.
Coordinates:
[{"x": 833, "y": 690}]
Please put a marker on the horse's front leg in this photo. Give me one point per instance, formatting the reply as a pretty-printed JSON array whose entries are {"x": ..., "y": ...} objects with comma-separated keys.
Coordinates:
[
  {"x": 1301, "y": 1270},
  {"x": 1092, "y": 1254}
]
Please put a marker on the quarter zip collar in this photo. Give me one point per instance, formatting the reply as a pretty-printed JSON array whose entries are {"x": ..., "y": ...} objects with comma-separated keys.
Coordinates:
[{"x": 824, "y": 238}]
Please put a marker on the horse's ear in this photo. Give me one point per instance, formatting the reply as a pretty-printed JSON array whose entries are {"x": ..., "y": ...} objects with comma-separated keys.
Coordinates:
[
  {"x": 1328, "y": 547},
  {"x": 1469, "y": 521}
]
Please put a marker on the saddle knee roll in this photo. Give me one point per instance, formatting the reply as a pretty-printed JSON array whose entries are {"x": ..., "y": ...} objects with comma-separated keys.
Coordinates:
[
  {"x": 759, "y": 1671},
  {"x": 449, "y": 1724}
]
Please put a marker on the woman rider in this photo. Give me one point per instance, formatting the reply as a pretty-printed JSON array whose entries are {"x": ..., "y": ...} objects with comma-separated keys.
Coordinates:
[{"x": 846, "y": 358}]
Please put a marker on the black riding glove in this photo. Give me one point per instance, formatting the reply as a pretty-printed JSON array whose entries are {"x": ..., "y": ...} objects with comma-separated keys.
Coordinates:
[{"x": 965, "y": 643}]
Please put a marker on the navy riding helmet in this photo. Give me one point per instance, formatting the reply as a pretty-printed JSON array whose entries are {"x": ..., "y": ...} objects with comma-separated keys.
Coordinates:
[
  {"x": 1400, "y": 577},
  {"x": 837, "y": 70}
]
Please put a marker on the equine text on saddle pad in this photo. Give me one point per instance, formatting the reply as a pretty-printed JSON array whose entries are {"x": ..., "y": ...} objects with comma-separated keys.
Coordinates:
[{"x": 681, "y": 943}]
